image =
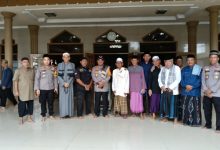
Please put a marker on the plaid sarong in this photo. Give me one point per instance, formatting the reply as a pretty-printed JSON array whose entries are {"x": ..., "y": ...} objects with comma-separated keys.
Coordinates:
[{"x": 121, "y": 105}]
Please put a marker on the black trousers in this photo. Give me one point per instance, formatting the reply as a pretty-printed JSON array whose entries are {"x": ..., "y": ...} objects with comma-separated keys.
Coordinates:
[
  {"x": 207, "y": 106},
  {"x": 46, "y": 100},
  {"x": 179, "y": 108},
  {"x": 98, "y": 96},
  {"x": 146, "y": 103},
  {"x": 81, "y": 96},
  {"x": 7, "y": 93},
  {"x": 25, "y": 107}
]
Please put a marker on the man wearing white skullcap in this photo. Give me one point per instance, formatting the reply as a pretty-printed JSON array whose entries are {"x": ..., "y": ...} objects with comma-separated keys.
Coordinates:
[
  {"x": 153, "y": 86},
  {"x": 66, "y": 72},
  {"x": 66, "y": 55},
  {"x": 120, "y": 87},
  {"x": 155, "y": 58}
]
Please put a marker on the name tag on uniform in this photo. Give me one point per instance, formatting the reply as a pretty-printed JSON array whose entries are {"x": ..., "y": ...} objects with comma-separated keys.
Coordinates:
[
  {"x": 216, "y": 74},
  {"x": 207, "y": 73},
  {"x": 103, "y": 74},
  {"x": 43, "y": 74},
  {"x": 96, "y": 73}
]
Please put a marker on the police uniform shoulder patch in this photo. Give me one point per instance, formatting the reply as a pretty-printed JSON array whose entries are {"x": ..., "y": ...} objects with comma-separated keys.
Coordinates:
[
  {"x": 81, "y": 70},
  {"x": 52, "y": 68},
  {"x": 217, "y": 73}
]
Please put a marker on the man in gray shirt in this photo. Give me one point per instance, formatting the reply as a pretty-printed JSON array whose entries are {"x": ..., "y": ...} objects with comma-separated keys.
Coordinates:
[
  {"x": 211, "y": 89},
  {"x": 45, "y": 85}
]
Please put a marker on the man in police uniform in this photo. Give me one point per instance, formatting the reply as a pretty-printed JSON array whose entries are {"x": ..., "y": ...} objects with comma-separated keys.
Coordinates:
[
  {"x": 211, "y": 89},
  {"x": 45, "y": 86},
  {"x": 84, "y": 82},
  {"x": 101, "y": 75}
]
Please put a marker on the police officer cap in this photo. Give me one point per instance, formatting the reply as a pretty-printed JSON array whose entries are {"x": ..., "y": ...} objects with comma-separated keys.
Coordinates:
[
  {"x": 100, "y": 57},
  {"x": 214, "y": 52}
]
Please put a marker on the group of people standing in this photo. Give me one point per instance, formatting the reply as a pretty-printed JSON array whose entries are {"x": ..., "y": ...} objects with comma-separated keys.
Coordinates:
[
  {"x": 176, "y": 91},
  {"x": 171, "y": 92}
]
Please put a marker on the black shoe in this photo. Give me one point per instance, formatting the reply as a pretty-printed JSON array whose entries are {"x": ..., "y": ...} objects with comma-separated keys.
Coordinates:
[{"x": 207, "y": 127}]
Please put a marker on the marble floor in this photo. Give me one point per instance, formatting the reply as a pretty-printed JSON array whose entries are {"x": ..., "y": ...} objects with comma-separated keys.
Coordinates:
[{"x": 101, "y": 134}]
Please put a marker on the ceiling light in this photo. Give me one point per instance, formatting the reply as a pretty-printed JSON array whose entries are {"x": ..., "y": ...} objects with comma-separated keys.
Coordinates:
[
  {"x": 161, "y": 11},
  {"x": 50, "y": 14}
]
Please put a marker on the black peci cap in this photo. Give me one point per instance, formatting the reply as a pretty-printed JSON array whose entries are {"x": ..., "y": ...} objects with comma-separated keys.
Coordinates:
[
  {"x": 168, "y": 57},
  {"x": 46, "y": 55},
  {"x": 134, "y": 57},
  {"x": 178, "y": 57},
  {"x": 82, "y": 58},
  {"x": 190, "y": 56},
  {"x": 147, "y": 53}
]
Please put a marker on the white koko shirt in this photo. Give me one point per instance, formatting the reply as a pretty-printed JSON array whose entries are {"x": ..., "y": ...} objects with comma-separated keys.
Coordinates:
[
  {"x": 173, "y": 86},
  {"x": 120, "y": 82}
]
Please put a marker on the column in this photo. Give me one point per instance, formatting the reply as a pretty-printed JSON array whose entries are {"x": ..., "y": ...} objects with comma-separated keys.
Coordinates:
[
  {"x": 33, "y": 29},
  {"x": 8, "y": 19},
  {"x": 192, "y": 36},
  {"x": 213, "y": 18}
]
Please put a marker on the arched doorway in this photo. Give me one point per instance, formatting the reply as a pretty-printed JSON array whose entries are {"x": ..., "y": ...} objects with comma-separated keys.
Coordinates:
[
  {"x": 111, "y": 45},
  {"x": 65, "y": 42},
  {"x": 159, "y": 42}
]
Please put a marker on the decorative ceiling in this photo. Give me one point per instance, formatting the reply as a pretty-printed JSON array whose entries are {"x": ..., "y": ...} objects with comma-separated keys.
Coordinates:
[{"x": 86, "y": 13}]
